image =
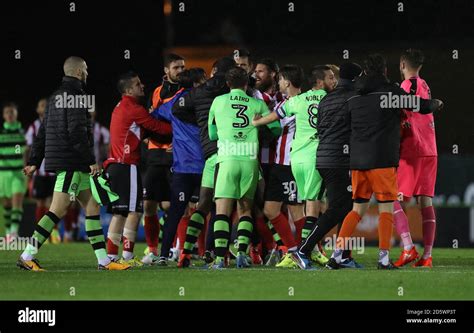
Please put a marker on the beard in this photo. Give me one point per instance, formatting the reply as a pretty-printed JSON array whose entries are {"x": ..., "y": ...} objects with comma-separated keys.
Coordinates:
[
  {"x": 328, "y": 87},
  {"x": 264, "y": 85},
  {"x": 174, "y": 78}
]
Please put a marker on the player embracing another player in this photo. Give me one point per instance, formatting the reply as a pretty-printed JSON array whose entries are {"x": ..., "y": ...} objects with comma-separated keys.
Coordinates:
[
  {"x": 129, "y": 125},
  {"x": 281, "y": 185},
  {"x": 303, "y": 151}
]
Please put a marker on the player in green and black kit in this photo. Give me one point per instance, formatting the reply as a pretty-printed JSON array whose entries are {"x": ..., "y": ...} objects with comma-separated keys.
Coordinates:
[
  {"x": 305, "y": 144},
  {"x": 12, "y": 180},
  {"x": 65, "y": 142},
  {"x": 237, "y": 169}
]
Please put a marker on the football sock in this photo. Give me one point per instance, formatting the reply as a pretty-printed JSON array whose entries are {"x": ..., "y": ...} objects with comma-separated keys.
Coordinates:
[
  {"x": 195, "y": 226},
  {"x": 299, "y": 225},
  {"x": 152, "y": 230},
  {"x": 244, "y": 232},
  {"x": 113, "y": 243},
  {"x": 283, "y": 229},
  {"x": 129, "y": 237},
  {"x": 221, "y": 236},
  {"x": 40, "y": 235},
  {"x": 401, "y": 225},
  {"x": 95, "y": 234},
  {"x": 429, "y": 230},
  {"x": 310, "y": 221}
]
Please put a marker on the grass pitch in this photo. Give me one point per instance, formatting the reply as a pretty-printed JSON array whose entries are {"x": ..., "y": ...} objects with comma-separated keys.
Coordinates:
[{"x": 72, "y": 275}]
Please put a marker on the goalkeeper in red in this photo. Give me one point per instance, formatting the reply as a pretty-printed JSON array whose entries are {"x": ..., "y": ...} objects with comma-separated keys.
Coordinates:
[
  {"x": 416, "y": 174},
  {"x": 237, "y": 169}
]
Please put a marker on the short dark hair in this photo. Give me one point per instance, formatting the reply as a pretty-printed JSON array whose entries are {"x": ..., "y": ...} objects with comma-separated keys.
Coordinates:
[
  {"x": 190, "y": 76},
  {"x": 222, "y": 65},
  {"x": 375, "y": 64},
  {"x": 270, "y": 63},
  {"x": 171, "y": 57},
  {"x": 241, "y": 53},
  {"x": 415, "y": 58},
  {"x": 294, "y": 74},
  {"x": 125, "y": 80},
  {"x": 9, "y": 104},
  {"x": 318, "y": 73},
  {"x": 237, "y": 77}
]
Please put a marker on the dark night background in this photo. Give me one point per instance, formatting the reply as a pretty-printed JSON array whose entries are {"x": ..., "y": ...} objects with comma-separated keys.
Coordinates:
[{"x": 316, "y": 32}]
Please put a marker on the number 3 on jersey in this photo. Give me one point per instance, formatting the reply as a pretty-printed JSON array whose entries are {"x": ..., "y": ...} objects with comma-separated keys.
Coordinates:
[
  {"x": 313, "y": 114},
  {"x": 241, "y": 115}
]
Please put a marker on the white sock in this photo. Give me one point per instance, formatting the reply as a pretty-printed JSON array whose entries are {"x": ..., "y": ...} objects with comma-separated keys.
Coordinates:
[
  {"x": 27, "y": 257},
  {"x": 337, "y": 255},
  {"x": 104, "y": 261},
  {"x": 126, "y": 255},
  {"x": 28, "y": 253},
  {"x": 383, "y": 257},
  {"x": 112, "y": 257}
]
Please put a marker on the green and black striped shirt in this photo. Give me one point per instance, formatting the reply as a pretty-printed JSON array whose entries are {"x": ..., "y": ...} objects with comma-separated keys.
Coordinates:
[{"x": 12, "y": 146}]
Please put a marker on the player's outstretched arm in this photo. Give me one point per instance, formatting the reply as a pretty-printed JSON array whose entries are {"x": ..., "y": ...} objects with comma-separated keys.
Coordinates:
[
  {"x": 149, "y": 123},
  {"x": 426, "y": 106},
  {"x": 260, "y": 121},
  {"x": 275, "y": 127}
]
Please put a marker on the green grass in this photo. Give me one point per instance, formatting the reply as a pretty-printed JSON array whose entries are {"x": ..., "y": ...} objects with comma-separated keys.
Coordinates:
[{"x": 73, "y": 265}]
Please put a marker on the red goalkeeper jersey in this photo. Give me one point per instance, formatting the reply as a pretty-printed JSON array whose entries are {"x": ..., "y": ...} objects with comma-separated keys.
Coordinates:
[{"x": 418, "y": 137}]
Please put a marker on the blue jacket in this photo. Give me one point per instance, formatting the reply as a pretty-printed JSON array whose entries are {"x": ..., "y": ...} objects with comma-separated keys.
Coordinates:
[{"x": 187, "y": 151}]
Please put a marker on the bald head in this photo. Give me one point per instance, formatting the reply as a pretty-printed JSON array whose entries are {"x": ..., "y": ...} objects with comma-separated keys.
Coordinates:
[{"x": 76, "y": 67}]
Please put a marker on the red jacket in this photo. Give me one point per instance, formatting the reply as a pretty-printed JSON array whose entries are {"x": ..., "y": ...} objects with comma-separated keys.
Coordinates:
[{"x": 127, "y": 126}]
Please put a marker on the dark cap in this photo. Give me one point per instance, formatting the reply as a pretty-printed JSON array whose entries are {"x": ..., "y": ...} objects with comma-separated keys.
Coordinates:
[{"x": 349, "y": 71}]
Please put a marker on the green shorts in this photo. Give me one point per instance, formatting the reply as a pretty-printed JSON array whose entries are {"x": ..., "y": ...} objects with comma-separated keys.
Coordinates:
[
  {"x": 208, "y": 173},
  {"x": 308, "y": 180},
  {"x": 236, "y": 179},
  {"x": 72, "y": 182},
  {"x": 12, "y": 182}
]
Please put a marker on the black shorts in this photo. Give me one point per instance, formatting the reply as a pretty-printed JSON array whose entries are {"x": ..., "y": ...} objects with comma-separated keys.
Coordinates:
[
  {"x": 156, "y": 185},
  {"x": 281, "y": 185},
  {"x": 125, "y": 180},
  {"x": 43, "y": 186},
  {"x": 265, "y": 169}
]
